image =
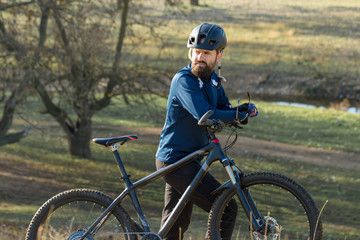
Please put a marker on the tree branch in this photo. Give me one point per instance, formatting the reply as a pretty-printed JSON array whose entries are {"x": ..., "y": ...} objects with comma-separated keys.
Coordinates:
[
  {"x": 7, "y": 40},
  {"x": 4, "y": 6},
  {"x": 14, "y": 137},
  {"x": 124, "y": 12},
  {"x": 113, "y": 77},
  {"x": 43, "y": 26},
  {"x": 74, "y": 67},
  {"x": 59, "y": 114}
]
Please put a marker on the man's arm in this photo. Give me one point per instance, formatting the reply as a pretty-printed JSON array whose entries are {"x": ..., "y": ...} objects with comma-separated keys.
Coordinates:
[
  {"x": 189, "y": 94},
  {"x": 223, "y": 101}
]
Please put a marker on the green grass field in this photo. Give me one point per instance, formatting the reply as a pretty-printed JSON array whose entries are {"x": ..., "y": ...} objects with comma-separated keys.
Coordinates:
[
  {"x": 289, "y": 46},
  {"x": 309, "y": 46},
  {"x": 39, "y": 166}
]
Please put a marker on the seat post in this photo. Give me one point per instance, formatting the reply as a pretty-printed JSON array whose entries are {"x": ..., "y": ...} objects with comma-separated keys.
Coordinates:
[{"x": 119, "y": 162}]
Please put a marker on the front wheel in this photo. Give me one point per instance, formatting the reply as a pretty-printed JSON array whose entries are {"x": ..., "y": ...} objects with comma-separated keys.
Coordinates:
[
  {"x": 287, "y": 209},
  {"x": 68, "y": 214}
]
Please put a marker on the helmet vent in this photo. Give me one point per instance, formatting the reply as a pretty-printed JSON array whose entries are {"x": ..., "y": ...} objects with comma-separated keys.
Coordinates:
[
  {"x": 212, "y": 41},
  {"x": 202, "y": 38}
]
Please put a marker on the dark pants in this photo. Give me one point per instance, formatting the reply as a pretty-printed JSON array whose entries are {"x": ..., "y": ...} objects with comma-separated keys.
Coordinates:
[{"x": 176, "y": 184}]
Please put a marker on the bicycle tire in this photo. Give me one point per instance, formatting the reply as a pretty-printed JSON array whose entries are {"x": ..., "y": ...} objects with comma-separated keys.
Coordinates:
[
  {"x": 75, "y": 210},
  {"x": 277, "y": 196}
]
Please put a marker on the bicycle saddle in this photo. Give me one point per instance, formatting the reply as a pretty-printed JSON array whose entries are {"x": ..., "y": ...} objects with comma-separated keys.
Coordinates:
[{"x": 110, "y": 141}]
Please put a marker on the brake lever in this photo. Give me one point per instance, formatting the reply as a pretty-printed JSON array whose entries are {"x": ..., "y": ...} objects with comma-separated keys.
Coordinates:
[
  {"x": 235, "y": 125},
  {"x": 219, "y": 125},
  {"x": 237, "y": 109}
]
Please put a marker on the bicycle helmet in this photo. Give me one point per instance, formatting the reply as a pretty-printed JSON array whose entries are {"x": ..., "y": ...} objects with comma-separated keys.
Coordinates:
[{"x": 207, "y": 36}]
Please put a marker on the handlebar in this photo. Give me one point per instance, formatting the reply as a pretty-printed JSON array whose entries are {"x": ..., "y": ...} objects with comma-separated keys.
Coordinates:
[
  {"x": 213, "y": 124},
  {"x": 217, "y": 124},
  {"x": 205, "y": 121}
]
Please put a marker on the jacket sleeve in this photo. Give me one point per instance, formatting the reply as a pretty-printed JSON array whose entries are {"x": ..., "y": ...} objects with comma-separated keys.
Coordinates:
[
  {"x": 190, "y": 97},
  {"x": 223, "y": 101}
]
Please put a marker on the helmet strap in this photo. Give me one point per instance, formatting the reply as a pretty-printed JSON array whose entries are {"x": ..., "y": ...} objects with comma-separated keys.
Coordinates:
[
  {"x": 221, "y": 78},
  {"x": 190, "y": 54}
]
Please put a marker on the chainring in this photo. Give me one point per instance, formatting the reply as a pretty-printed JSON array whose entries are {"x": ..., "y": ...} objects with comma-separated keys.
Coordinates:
[{"x": 151, "y": 236}]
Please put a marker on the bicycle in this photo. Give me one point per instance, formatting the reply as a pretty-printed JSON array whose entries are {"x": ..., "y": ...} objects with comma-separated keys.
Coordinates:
[{"x": 273, "y": 206}]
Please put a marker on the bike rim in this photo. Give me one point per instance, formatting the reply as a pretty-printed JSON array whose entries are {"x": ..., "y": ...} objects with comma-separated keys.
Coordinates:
[
  {"x": 73, "y": 216},
  {"x": 274, "y": 202}
]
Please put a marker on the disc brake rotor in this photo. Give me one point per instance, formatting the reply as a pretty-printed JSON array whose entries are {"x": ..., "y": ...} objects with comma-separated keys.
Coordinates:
[{"x": 273, "y": 230}]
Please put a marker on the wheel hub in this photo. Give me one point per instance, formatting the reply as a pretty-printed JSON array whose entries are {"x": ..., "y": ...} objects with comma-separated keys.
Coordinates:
[
  {"x": 78, "y": 234},
  {"x": 273, "y": 230}
]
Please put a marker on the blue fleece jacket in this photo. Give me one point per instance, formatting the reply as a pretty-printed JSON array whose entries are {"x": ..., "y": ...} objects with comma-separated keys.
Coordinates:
[{"x": 189, "y": 99}]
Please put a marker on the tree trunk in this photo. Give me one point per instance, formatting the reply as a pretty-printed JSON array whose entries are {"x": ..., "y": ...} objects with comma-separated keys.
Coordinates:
[
  {"x": 194, "y": 2},
  {"x": 79, "y": 141},
  {"x": 8, "y": 113}
]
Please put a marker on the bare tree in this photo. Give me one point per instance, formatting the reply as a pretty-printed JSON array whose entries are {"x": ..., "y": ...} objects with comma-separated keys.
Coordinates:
[
  {"x": 75, "y": 61},
  {"x": 10, "y": 103},
  {"x": 13, "y": 83}
]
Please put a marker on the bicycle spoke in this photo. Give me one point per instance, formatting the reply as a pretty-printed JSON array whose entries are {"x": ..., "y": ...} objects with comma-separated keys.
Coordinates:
[
  {"x": 68, "y": 215},
  {"x": 285, "y": 207}
]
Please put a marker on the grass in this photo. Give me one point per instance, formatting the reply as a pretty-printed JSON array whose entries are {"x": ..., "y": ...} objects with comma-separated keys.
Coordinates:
[
  {"x": 283, "y": 37},
  {"x": 320, "y": 128},
  {"x": 39, "y": 166},
  {"x": 268, "y": 41}
]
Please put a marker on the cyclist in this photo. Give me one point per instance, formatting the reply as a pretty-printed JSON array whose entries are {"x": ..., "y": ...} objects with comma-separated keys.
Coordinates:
[{"x": 194, "y": 90}]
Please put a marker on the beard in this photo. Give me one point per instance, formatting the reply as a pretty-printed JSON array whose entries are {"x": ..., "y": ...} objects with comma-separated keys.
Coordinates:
[{"x": 202, "y": 71}]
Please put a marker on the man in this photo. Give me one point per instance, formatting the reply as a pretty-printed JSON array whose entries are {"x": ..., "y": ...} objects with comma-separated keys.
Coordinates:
[{"x": 194, "y": 90}]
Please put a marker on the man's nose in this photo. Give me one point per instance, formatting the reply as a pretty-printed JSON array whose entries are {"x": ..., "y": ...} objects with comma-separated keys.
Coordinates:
[{"x": 200, "y": 56}]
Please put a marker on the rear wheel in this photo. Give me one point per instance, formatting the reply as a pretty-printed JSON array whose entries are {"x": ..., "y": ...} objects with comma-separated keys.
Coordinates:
[
  {"x": 287, "y": 208},
  {"x": 68, "y": 214}
]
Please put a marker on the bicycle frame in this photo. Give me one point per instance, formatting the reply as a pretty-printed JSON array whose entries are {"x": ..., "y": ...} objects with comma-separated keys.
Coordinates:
[{"x": 215, "y": 154}]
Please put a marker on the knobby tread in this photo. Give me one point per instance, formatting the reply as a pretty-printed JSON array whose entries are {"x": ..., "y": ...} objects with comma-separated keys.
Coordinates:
[
  {"x": 270, "y": 178},
  {"x": 68, "y": 196}
]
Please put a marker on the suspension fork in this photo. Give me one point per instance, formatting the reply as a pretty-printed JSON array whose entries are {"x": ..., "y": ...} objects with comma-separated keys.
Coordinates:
[
  {"x": 243, "y": 194},
  {"x": 254, "y": 211}
]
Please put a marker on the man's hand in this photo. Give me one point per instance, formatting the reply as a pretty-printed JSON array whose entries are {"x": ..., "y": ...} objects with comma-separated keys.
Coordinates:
[
  {"x": 243, "y": 107},
  {"x": 252, "y": 110},
  {"x": 242, "y": 117},
  {"x": 245, "y": 111}
]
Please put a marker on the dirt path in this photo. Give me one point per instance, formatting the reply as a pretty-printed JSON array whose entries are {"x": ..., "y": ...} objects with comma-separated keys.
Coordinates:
[
  {"x": 13, "y": 178},
  {"x": 261, "y": 147},
  {"x": 299, "y": 153}
]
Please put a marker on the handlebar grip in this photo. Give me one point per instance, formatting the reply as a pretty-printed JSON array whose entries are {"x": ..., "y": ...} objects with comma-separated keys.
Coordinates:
[{"x": 204, "y": 120}]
